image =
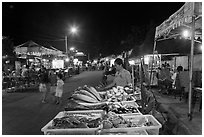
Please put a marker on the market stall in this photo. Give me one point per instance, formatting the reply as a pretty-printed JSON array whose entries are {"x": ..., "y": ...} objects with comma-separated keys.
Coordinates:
[
  {"x": 111, "y": 112},
  {"x": 33, "y": 51},
  {"x": 188, "y": 18},
  {"x": 25, "y": 75}
]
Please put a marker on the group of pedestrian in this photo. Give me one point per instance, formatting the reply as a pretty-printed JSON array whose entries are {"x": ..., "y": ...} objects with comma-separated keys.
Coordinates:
[
  {"x": 168, "y": 79},
  {"x": 51, "y": 82}
]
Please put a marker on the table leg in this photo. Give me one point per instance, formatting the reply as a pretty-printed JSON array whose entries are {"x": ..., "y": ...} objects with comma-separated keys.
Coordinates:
[{"x": 200, "y": 103}]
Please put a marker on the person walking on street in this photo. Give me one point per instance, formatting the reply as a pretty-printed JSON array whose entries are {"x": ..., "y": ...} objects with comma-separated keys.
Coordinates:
[
  {"x": 53, "y": 82},
  {"x": 59, "y": 89},
  {"x": 44, "y": 84}
]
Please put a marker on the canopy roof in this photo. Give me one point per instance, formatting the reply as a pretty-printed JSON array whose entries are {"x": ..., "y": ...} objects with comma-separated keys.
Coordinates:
[
  {"x": 32, "y": 48},
  {"x": 168, "y": 34},
  {"x": 189, "y": 16},
  {"x": 180, "y": 20}
]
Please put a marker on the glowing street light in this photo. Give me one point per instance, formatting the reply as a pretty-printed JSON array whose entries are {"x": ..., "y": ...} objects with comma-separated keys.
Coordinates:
[
  {"x": 72, "y": 30},
  {"x": 67, "y": 59},
  {"x": 186, "y": 33},
  {"x": 131, "y": 62},
  {"x": 72, "y": 48}
]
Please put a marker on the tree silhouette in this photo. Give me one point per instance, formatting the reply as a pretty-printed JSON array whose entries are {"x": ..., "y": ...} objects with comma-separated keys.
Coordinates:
[{"x": 7, "y": 47}]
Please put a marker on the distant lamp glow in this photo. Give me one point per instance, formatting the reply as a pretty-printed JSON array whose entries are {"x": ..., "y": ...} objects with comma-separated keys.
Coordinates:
[
  {"x": 31, "y": 60},
  {"x": 73, "y": 30},
  {"x": 75, "y": 61},
  {"x": 79, "y": 54},
  {"x": 131, "y": 62},
  {"x": 95, "y": 61},
  {"x": 67, "y": 59},
  {"x": 146, "y": 60},
  {"x": 72, "y": 48},
  {"x": 186, "y": 33}
]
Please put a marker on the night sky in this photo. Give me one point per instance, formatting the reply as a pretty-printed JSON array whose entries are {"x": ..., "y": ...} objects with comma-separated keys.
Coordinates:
[{"x": 102, "y": 25}]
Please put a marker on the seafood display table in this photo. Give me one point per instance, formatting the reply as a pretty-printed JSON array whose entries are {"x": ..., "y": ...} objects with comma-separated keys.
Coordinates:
[
  {"x": 137, "y": 129},
  {"x": 89, "y": 113}
]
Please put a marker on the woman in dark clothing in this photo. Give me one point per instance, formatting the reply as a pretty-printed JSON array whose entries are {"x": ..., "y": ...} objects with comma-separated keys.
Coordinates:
[
  {"x": 53, "y": 82},
  {"x": 44, "y": 84}
]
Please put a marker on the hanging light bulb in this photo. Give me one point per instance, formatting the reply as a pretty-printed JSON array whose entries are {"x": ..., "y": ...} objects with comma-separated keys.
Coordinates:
[{"x": 186, "y": 34}]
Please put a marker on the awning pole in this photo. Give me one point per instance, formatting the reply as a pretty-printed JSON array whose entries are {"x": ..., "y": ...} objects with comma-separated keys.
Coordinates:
[
  {"x": 191, "y": 67},
  {"x": 133, "y": 84},
  {"x": 141, "y": 69},
  {"x": 152, "y": 62}
]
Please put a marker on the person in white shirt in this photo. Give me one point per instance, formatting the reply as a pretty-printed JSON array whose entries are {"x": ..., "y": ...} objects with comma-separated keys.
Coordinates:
[
  {"x": 122, "y": 76},
  {"x": 59, "y": 88},
  {"x": 173, "y": 77}
]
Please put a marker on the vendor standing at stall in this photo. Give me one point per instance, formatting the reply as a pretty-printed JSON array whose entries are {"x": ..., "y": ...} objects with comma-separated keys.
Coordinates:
[{"x": 122, "y": 76}]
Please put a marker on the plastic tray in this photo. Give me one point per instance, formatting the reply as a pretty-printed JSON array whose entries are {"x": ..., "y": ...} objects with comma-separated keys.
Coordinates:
[
  {"x": 131, "y": 114},
  {"x": 131, "y": 103},
  {"x": 137, "y": 132},
  {"x": 152, "y": 130},
  {"x": 73, "y": 131}
]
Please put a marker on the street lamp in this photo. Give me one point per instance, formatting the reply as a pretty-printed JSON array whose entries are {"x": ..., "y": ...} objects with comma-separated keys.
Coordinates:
[{"x": 73, "y": 30}]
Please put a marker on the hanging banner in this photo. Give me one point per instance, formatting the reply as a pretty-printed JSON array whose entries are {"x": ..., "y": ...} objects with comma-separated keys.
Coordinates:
[{"x": 182, "y": 16}]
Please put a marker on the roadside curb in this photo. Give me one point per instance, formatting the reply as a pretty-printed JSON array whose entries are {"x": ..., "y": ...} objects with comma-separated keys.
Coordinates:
[{"x": 175, "y": 121}]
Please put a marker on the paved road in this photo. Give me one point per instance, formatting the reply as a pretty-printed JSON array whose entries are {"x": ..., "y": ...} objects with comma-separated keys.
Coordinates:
[{"x": 24, "y": 114}]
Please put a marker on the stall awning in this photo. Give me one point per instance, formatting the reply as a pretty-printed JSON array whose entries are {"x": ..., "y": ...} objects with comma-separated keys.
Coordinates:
[
  {"x": 32, "y": 48},
  {"x": 189, "y": 16},
  {"x": 180, "y": 46},
  {"x": 28, "y": 46},
  {"x": 182, "y": 18}
]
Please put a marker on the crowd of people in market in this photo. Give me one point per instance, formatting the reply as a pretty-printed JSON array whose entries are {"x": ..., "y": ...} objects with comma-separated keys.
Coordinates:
[
  {"x": 31, "y": 75},
  {"x": 26, "y": 76}
]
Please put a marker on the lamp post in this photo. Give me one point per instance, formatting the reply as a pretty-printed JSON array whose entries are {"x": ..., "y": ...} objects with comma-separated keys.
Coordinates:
[{"x": 73, "y": 30}]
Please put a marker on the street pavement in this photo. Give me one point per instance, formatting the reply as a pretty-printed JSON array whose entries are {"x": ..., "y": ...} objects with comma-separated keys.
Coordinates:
[
  {"x": 24, "y": 114},
  {"x": 178, "y": 113}
]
